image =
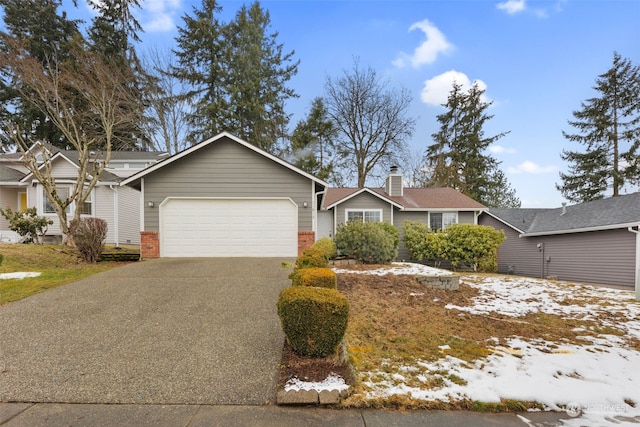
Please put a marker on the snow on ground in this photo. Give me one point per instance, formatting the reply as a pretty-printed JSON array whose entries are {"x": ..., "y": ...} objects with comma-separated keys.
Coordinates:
[
  {"x": 18, "y": 275},
  {"x": 332, "y": 382},
  {"x": 594, "y": 384},
  {"x": 399, "y": 268}
]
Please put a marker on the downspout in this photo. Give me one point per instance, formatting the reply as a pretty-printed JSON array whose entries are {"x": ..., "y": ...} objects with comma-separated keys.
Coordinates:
[
  {"x": 116, "y": 214},
  {"x": 317, "y": 208},
  {"x": 637, "y": 284}
]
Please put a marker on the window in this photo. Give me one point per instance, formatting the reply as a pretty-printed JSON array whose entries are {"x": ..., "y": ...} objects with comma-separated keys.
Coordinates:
[
  {"x": 441, "y": 220},
  {"x": 87, "y": 207},
  {"x": 47, "y": 208},
  {"x": 364, "y": 215}
]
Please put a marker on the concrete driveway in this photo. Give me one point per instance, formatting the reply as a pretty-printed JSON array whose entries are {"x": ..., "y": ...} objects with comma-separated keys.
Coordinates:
[{"x": 166, "y": 331}]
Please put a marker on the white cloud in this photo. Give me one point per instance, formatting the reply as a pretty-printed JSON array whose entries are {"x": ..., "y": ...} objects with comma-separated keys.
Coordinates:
[
  {"x": 436, "y": 90},
  {"x": 512, "y": 6},
  {"x": 158, "y": 15},
  {"x": 531, "y": 167},
  {"x": 435, "y": 44},
  {"x": 497, "y": 149}
]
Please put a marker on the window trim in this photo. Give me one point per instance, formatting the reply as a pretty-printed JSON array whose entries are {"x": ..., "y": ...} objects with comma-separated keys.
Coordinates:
[
  {"x": 363, "y": 210},
  {"x": 443, "y": 213}
]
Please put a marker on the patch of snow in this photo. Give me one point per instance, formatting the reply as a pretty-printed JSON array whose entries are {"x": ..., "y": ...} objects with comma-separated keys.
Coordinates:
[
  {"x": 332, "y": 382},
  {"x": 409, "y": 268},
  {"x": 18, "y": 275},
  {"x": 594, "y": 384}
]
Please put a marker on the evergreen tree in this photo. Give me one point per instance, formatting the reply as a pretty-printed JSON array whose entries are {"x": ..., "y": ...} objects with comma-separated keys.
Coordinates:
[
  {"x": 201, "y": 68},
  {"x": 257, "y": 82},
  {"x": 312, "y": 142},
  {"x": 46, "y": 35},
  {"x": 458, "y": 158},
  {"x": 238, "y": 75},
  {"x": 608, "y": 127},
  {"x": 113, "y": 34}
]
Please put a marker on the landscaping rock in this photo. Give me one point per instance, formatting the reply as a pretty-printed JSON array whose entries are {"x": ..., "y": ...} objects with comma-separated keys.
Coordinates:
[
  {"x": 450, "y": 283},
  {"x": 329, "y": 397}
]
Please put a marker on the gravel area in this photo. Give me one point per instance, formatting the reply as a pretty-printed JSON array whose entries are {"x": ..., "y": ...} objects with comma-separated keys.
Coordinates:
[{"x": 166, "y": 331}]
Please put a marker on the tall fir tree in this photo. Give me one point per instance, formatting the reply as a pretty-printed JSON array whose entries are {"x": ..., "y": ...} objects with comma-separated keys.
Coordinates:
[
  {"x": 312, "y": 142},
  {"x": 259, "y": 70},
  {"x": 201, "y": 68},
  {"x": 608, "y": 126},
  {"x": 237, "y": 73},
  {"x": 458, "y": 158},
  {"x": 46, "y": 35},
  {"x": 113, "y": 34}
]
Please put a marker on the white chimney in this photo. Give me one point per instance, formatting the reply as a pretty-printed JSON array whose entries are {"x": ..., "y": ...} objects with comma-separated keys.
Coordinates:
[
  {"x": 564, "y": 208},
  {"x": 393, "y": 184}
]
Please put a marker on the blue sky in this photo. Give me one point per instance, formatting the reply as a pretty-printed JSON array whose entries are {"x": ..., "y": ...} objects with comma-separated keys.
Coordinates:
[{"x": 537, "y": 60}]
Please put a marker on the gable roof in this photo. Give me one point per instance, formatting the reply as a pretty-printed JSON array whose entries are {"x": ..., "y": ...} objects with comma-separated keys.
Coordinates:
[
  {"x": 412, "y": 199},
  {"x": 135, "y": 177},
  {"x": 613, "y": 212},
  {"x": 9, "y": 175}
]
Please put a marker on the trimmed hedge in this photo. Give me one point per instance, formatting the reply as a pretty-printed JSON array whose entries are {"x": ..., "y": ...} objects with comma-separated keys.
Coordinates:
[
  {"x": 312, "y": 257},
  {"x": 313, "y": 319},
  {"x": 326, "y": 245},
  {"x": 315, "y": 276}
]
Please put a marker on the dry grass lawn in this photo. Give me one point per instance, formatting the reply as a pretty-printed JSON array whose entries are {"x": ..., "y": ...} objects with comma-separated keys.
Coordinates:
[{"x": 57, "y": 264}]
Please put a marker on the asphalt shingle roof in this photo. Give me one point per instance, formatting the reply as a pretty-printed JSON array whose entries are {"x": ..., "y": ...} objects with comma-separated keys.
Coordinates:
[
  {"x": 621, "y": 210},
  {"x": 413, "y": 198},
  {"x": 8, "y": 174}
]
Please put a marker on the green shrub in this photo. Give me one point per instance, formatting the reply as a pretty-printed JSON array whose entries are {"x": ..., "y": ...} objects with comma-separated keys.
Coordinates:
[
  {"x": 423, "y": 244},
  {"x": 369, "y": 242},
  {"x": 88, "y": 236},
  {"x": 312, "y": 257},
  {"x": 27, "y": 224},
  {"x": 314, "y": 320},
  {"x": 326, "y": 245},
  {"x": 315, "y": 276},
  {"x": 474, "y": 245}
]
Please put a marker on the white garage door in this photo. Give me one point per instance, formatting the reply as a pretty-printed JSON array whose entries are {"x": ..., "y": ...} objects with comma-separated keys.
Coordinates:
[{"x": 228, "y": 228}]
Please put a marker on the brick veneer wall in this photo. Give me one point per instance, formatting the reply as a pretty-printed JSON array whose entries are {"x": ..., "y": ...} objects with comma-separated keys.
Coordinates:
[
  {"x": 149, "y": 245},
  {"x": 305, "y": 240}
]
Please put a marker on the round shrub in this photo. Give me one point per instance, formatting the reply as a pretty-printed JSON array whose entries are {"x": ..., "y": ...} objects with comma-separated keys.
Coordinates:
[
  {"x": 314, "y": 320},
  {"x": 315, "y": 276},
  {"x": 369, "y": 242},
  {"x": 312, "y": 257},
  {"x": 326, "y": 245}
]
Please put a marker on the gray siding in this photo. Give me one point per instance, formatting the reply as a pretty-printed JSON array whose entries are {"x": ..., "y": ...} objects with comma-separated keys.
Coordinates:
[
  {"x": 604, "y": 257},
  {"x": 466, "y": 218},
  {"x": 398, "y": 220},
  {"x": 363, "y": 201},
  {"x": 226, "y": 169},
  {"x": 129, "y": 215},
  {"x": 516, "y": 255}
]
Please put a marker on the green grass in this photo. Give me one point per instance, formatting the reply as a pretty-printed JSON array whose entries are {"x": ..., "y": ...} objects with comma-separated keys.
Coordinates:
[{"x": 58, "y": 266}]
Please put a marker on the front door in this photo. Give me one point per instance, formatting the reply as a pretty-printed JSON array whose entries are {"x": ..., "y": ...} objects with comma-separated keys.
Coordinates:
[{"x": 22, "y": 201}]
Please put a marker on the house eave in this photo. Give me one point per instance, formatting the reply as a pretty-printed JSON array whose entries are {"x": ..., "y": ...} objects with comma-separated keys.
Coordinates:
[
  {"x": 581, "y": 230},
  {"x": 360, "y": 191}
]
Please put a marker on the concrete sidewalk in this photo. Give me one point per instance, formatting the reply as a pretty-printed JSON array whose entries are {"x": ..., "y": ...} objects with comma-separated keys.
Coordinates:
[{"x": 54, "y": 415}]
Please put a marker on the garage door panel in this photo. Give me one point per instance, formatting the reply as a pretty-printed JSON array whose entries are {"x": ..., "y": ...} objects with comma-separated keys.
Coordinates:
[{"x": 228, "y": 227}]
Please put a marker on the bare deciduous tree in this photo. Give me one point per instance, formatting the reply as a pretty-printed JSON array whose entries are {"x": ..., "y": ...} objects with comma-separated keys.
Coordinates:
[
  {"x": 371, "y": 120},
  {"x": 168, "y": 109},
  {"x": 85, "y": 99}
]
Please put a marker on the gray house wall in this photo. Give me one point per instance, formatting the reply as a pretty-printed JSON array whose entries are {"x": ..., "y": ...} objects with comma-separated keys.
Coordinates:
[
  {"x": 516, "y": 255},
  {"x": 363, "y": 201},
  {"x": 603, "y": 257},
  {"x": 225, "y": 168}
]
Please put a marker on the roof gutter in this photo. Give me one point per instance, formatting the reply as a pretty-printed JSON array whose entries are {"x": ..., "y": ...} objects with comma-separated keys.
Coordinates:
[
  {"x": 637, "y": 284},
  {"x": 580, "y": 230}
]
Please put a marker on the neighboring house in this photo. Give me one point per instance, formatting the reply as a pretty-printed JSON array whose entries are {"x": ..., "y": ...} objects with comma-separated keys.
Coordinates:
[
  {"x": 437, "y": 207},
  {"x": 119, "y": 206},
  {"x": 594, "y": 242},
  {"x": 226, "y": 197}
]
